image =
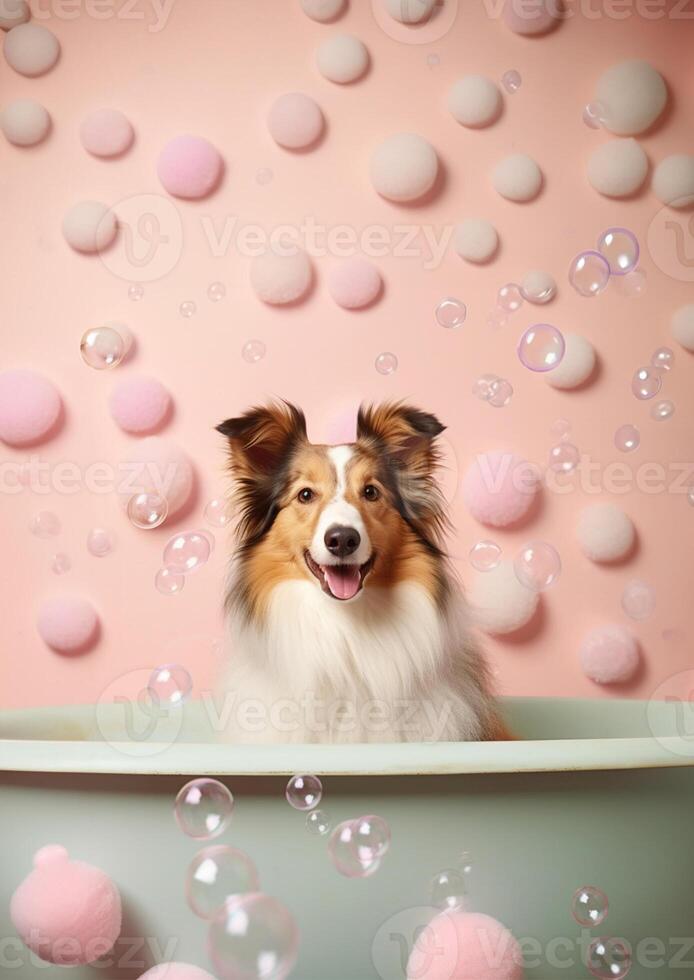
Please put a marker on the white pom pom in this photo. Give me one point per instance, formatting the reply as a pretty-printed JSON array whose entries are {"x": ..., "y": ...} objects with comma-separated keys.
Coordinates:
[
  {"x": 682, "y": 326},
  {"x": 476, "y": 240},
  {"x": 13, "y": 12},
  {"x": 342, "y": 59},
  {"x": 31, "y": 49},
  {"x": 322, "y": 10},
  {"x": 605, "y": 532},
  {"x": 89, "y": 226},
  {"x": 474, "y": 101},
  {"x": 538, "y": 286},
  {"x": 517, "y": 178},
  {"x": 404, "y": 167},
  {"x": 577, "y": 364},
  {"x": 25, "y": 122},
  {"x": 501, "y": 603},
  {"x": 633, "y": 95},
  {"x": 410, "y": 11},
  {"x": 617, "y": 168},
  {"x": 673, "y": 180},
  {"x": 280, "y": 279}
]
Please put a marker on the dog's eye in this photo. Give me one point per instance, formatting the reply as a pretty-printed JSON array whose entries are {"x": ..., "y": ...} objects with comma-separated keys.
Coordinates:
[
  {"x": 371, "y": 492},
  {"x": 306, "y": 495}
]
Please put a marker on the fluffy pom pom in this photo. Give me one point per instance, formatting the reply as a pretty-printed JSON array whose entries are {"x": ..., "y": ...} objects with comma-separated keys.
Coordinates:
[
  {"x": 404, "y": 167},
  {"x": 474, "y": 101},
  {"x": 31, "y": 50},
  {"x": 176, "y": 971},
  {"x": 673, "y": 180},
  {"x": 25, "y": 122},
  {"x": 577, "y": 364},
  {"x": 410, "y": 11},
  {"x": 499, "y": 488},
  {"x": 502, "y": 604},
  {"x": 342, "y": 59},
  {"x": 476, "y": 240},
  {"x": 139, "y": 405},
  {"x": 465, "y": 946},
  {"x": 295, "y": 121},
  {"x": 89, "y": 226},
  {"x": 682, "y": 326},
  {"x": 106, "y": 133},
  {"x": 529, "y": 19},
  {"x": 617, "y": 168},
  {"x": 354, "y": 283},
  {"x": 30, "y": 407},
  {"x": 12, "y": 13},
  {"x": 280, "y": 279},
  {"x": 159, "y": 466},
  {"x": 68, "y": 624},
  {"x": 633, "y": 95},
  {"x": 67, "y": 912},
  {"x": 517, "y": 178},
  {"x": 605, "y": 532},
  {"x": 189, "y": 167},
  {"x": 609, "y": 655},
  {"x": 323, "y": 10}
]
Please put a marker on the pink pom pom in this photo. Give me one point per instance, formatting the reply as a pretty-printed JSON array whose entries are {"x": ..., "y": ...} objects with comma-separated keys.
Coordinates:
[
  {"x": 67, "y": 912},
  {"x": 189, "y": 167},
  {"x": 610, "y": 655},
  {"x": 157, "y": 465},
  {"x": 354, "y": 283},
  {"x": 106, "y": 133},
  {"x": 465, "y": 946},
  {"x": 68, "y": 624},
  {"x": 176, "y": 971},
  {"x": 523, "y": 17},
  {"x": 279, "y": 279},
  {"x": 139, "y": 405},
  {"x": 499, "y": 488},
  {"x": 30, "y": 407},
  {"x": 295, "y": 121}
]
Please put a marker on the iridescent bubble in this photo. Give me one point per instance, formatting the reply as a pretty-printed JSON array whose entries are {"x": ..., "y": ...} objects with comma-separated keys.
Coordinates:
[
  {"x": 496, "y": 319},
  {"x": 589, "y": 906},
  {"x": 318, "y": 823},
  {"x": 451, "y": 313},
  {"x": 102, "y": 348},
  {"x": 663, "y": 358},
  {"x": 45, "y": 524},
  {"x": 589, "y": 273},
  {"x": 147, "y": 510},
  {"x": 646, "y": 383},
  {"x": 136, "y": 292},
  {"x": 203, "y": 808},
  {"x": 187, "y": 552},
  {"x": 386, "y": 363},
  {"x": 168, "y": 581},
  {"x": 638, "y": 600},
  {"x": 61, "y": 563},
  {"x": 627, "y": 438},
  {"x": 482, "y": 388},
  {"x": 662, "y": 411},
  {"x": 254, "y": 938},
  {"x": 371, "y": 837},
  {"x": 465, "y": 863},
  {"x": 344, "y": 854},
  {"x": 537, "y": 565},
  {"x": 509, "y": 298},
  {"x": 187, "y": 308},
  {"x": 253, "y": 351},
  {"x": 594, "y": 115},
  {"x": 216, "y": 512},
  {"x": 485, "y": 555},
  {"x": 170, "y": 685},
  {"x": 633, "y": 283},
  {"x": 561, "y": 428},
  {"x": 564, "y": 457},
  {"x": 541, "y": 347},
  {"x": 609, "y": 959},
  {"x": 501, "y": 393},
  {"x": 621, "y": 249},
  {"x": 99, "y": 542},
  {"x": 216, "y": 291},
  {"x": 216, "y": 874},
  {"x": 263, "y": 176},
  {"x": 448, "y": 890},
  {"x": 304, "y": 792},
  {"x": 511, "y": 80}
]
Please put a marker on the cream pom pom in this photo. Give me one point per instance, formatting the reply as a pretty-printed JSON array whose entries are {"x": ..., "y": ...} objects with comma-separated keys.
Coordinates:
[
  {"x": 476, "y": 240},
  {"x": 25, "y": 122},
  {"x": 682, "y": 326},
  {"x": 633, "y": 95},
  {"x": 538, "y": 286},
  {"x": 577, "y": 364},
  {"x": 605, "y": 532},
  {"x": 517, "y": 178},
  {"x": 342, "y": 59},
  {"x": 404, "y": 167},
  {"x": 501, "y": 603},
  {"x": 474, "y": 101},
  {"x": 410, "y": 11},
  {"x": 617, "y": 168},
  {"x": 673, "y": 180}
]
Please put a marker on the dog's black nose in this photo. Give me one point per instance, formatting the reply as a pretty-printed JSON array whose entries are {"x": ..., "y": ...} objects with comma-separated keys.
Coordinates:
[{"x": 342, "y": 541}]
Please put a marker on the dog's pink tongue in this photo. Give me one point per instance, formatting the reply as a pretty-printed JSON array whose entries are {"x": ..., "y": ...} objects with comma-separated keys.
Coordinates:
[{"x": 343, "y": 580}]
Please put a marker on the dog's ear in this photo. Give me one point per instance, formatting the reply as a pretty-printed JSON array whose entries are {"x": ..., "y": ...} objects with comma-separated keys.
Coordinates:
[{"x": 261, "y": 444}]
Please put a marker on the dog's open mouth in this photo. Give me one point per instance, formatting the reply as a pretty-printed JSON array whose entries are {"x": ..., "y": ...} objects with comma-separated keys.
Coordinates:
[{"x": 340, "y": 581}]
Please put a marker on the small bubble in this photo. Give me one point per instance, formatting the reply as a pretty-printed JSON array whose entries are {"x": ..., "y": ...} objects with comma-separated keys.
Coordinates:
[
  {"x": 633, "y": 283},
  {"x": 187, "y": 308},
  {"x": 663, "y": 358},
  {"x": 589, "y": 906},
  {"x": 627, "y": 438},
  {"x": 482, "y": 388},
  {"x": 204, "y": 808},
  {"x": 646, "y": 383},
  {"x": 496, "y": 319},
  {"x": 448, "y": 890},
  {"x": 304, "y": 792},
  {"x": 501, "y": 393},
  {"x": 386, "y": 363},
  {"x": 451, "y": 313},
  {"x": 594, "y": 115},
  {"x": 609, "y": 959},
  {"x": 511, "y": 80},
  {"x": 537, "y": 565},
  {"x": 147, "y": 510},
  {"x": 169, "y": 581},
  {"x": 170, "y": 685},
  {"x": 99, "y": 542},
  {"x": 136, "y": 292},
  {"x": 216, "y": 291},
  {"x": 102, "y": 348},
  {"x": 263, "y": 176},
  {"x": 561, "y": 428},
  {"x": 216, "y": 512},
  {"x": 510, "y": 297},
  {"x": 318, "y": 823},
  {"x": 541, "y": 347},
  {"x": 662, "y": 411},
  {"x": 253, "y": 351},
  {"x": 45, "y": 524},
  {"x": 61, "y": 563},
  {"x": 621, "y": 249},
  {"x": 485, "y": 556},
  {"x": 589, "y": 273},
  {"x": 564, "y": 457},
  {"x": 188, "y": 551}
]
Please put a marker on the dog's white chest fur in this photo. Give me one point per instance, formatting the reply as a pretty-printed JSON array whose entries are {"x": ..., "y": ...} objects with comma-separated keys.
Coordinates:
[{"x": 386, "y": 667}]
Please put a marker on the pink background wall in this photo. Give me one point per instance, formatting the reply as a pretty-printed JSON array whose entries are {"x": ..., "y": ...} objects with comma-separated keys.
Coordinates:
[{"x": 213, "y": 69}]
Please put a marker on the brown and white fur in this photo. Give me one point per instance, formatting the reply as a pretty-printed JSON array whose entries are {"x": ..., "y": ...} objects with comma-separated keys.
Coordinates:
[{"x": 345, "y": 621}]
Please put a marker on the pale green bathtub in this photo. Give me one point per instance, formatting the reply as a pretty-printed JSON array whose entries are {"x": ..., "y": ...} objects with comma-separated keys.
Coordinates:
[{"x": 597, "y": 792}]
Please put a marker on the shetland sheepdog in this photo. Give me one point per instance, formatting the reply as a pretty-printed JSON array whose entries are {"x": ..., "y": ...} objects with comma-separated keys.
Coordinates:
[{"x": 345, "y": 620}]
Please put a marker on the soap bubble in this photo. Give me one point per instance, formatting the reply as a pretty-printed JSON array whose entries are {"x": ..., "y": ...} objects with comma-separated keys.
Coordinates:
[
  {"x": 501, "y": 393},
  {"x": 541, "y": 347},
  {"x": 564, "y": 457},
  {"x": 370, "y": 837},
  {"x": 589, "y": 273},
  {"x": 496, "y": 319},
  {"x": 216, "y": 874},
  {"x": 136, "y": 292},
  {"x": 168, "y": 581},
  {"x": 187, "y": 308},
  {"x": 485, "y": 556},
  {"x": 253, "y": 351},
  {"x": 510, "y": 298},
  {"x": 99, "y": 542},
  {"x": 594, "y": 115},
  {"x": 511, "y": 80},
  {"x": 304, "y": 792},
  {"x": 561, "y": 428},
  {"x": 609, "y": 959},
  {"x": 186, "y": 552},
  {"x": 45, "y": 524},
  {"x": 627, "y": 438},
  {"x": 216, "y": 512},
  {"x": 662, "y": 411},
  {"x": 386, "y": 363},
  {"x": 451, "y": 313},
  {"x": 61, "y": 563},
  {"x": 147, "y": 510},
  {"x": 633, "y": 283},
  {"x": 102, "y": 348},
  {"x": 448, "y": 890},
  {"x": 482, "y": 388},
  {"x": 318, "y": 823},
  {"x": 254, "y": 938},
  {"x": 646, "y": 383},
  {"x": 203, "y": 808},
  {"x": 638, "y": 600},
  {"x": 345, "y": 856},
  {"x": 465, "y": 863},
  {"x": 537, "y": 565},
  {"x": 170, "y": 685},
  {"x": 663, "y": 358},
  {"x": 589, "y": 906},
  {"x": 621, "y": 249},
  {"x": 216, "y": 291}
]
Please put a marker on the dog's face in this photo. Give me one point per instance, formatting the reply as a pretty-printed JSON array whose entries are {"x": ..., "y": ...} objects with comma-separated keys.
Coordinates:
[{"x": 339, "y": 516}]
